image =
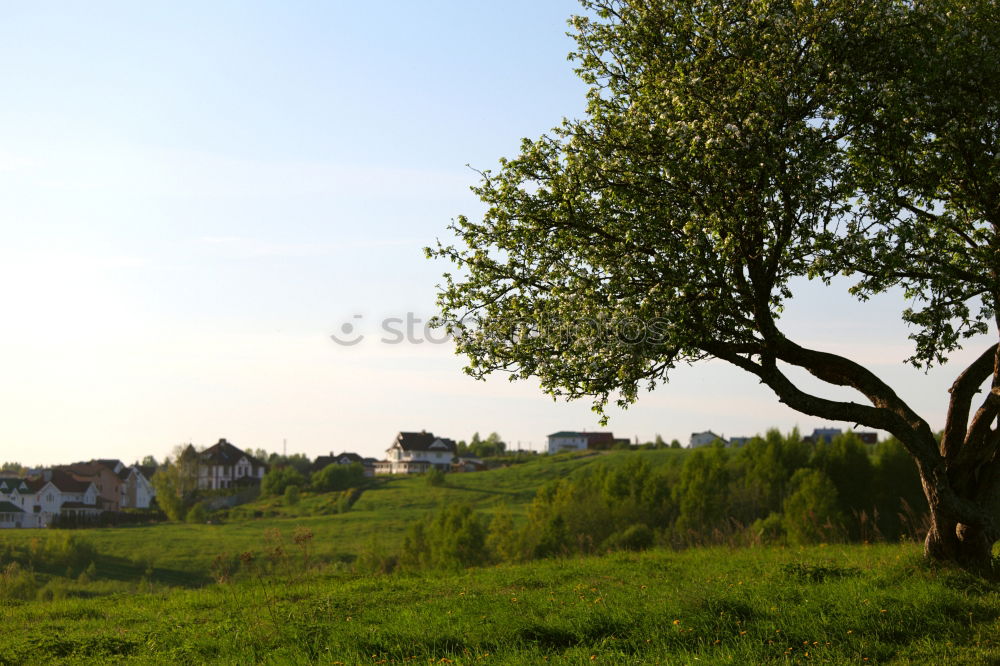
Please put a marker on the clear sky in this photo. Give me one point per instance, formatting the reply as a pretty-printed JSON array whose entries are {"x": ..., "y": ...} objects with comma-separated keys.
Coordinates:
[{"x": 195, "y": 195}]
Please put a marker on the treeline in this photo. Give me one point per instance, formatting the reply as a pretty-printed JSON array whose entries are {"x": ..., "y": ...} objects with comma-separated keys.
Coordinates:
[{"x": 776, "y": 489}]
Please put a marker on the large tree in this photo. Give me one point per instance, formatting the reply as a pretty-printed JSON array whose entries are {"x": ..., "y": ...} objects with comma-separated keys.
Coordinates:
[{"x": 729, "y": 150}]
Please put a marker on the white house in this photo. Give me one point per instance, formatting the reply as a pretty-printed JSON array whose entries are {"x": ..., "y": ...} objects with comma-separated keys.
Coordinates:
[
  {"x": 40, "y": 499},
  {"x": 565, "y": 440},
  {"x": 704, "y": 439},
  {"x": 417, "y": 452},
  {"x": 136, "y": 490},
  {"x": 223, "y": 465},
  {"x": 11, "y": 515}
]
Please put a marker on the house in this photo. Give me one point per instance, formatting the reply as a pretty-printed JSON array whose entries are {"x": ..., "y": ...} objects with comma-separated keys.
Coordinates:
[
  {"x": 344, "y": 458},
  {"x": 136, "y": 489},
  {"x": 565, "y": 440},
  {"x": 415, "y": 453},
  {"x": 105, "y": 476},
  {"x": 737, "y": 442},
  {"x": 54, "y": 493},
  {"x": 223, "y": 465},
  {"x": 11, "y": 515},
  {"x": 706, "y": 438},
  {"x": 15, "y": 492},
  {"x": 825, "y": 435}
]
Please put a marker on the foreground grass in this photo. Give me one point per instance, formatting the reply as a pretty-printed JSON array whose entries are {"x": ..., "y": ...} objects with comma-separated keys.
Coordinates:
[{"x": 843, "y": 604}]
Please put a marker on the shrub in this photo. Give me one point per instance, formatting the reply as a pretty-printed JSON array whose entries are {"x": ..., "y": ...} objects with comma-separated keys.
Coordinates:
[
  {"x": 197, "y": 513},
  {"x": 279, "y": 478},
  {"x": 634, "y": 537},
  {"x": 434, "y": 477}
]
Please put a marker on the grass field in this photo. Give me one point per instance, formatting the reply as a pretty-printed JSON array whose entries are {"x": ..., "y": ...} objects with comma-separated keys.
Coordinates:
[
  {"x": 845, "y": 604},
  {"x": 283, "y": 589},
  {"x": 182, "y": 554}
]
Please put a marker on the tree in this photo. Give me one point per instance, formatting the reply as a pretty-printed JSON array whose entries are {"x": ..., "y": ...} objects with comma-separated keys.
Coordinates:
[
  {"x": 278, "y": 479},
  {"x": 810, "y": 511},
  {"x": 335, "y": 477},
  {"x": 729, "y": 150}
]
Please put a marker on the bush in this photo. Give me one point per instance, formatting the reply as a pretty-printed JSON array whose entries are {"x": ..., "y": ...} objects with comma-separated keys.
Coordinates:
[
  {"x": 16, "y": 582},
  {"x": 435, "y": 477},
  {"x": 279, "y": 478},
  {"x": 336, "y": 477},
  {"x": 292, "y": 495},
  {"x": 197, "y": 513},
  {"x": 634, "y": 537}
]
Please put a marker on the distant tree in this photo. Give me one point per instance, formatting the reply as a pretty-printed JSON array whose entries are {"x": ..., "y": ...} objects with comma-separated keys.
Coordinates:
[
  {"x": 300, "y": 462},
  {"x": 675, "y": 444},
  {"x": 149, "y": 461},
  {"x": 702, "y": 494},
  {"x": 278, "y": 478},
  {"x": 658, "y": 441},
  {"x": 336, "y": 477},
  {"x": 811, "y": 512},
  {"x": 14, "y": 468},
  {"x": 169, "y": 487}
]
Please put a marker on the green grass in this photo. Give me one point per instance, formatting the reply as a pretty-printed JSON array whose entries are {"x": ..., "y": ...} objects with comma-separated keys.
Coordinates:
[
  {"x": 843, "y": 604},
  {"x": 182, "y": 554}
]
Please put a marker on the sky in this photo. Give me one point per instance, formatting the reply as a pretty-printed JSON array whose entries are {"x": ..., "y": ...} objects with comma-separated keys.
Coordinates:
[{"x": 194, "y": 197}]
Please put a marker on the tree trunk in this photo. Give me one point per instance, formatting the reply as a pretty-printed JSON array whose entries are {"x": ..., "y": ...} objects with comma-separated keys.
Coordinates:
[{"x": 950, "y": 541}]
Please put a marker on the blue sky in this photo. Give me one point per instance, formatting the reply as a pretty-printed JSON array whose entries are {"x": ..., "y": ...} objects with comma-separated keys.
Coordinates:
[{"x": 194, "y": 196}]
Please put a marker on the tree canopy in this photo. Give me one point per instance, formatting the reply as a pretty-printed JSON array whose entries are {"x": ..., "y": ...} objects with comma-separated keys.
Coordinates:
[{"x": 730, "y": 148}]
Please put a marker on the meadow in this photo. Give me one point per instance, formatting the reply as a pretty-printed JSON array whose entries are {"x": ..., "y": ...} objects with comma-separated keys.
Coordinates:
[
  {"x": 301, "y": 583},
  {"x": 833, "y": 604}
]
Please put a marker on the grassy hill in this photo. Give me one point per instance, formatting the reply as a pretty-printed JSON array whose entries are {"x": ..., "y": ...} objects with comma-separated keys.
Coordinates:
[{"x": 182, "y": 554}]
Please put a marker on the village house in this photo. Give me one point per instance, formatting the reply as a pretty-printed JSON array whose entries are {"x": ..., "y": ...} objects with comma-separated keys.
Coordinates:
[
  {"x": 417, "y": 452},
  {"x": 118, "y": 487},
  {"x": 41, "y": 499},
  {"x": 565, "y": 440},
  {"x": 344, "y": 458},
  {"x": 706, "y": 438},
  {"x": 223, "y": 465}
]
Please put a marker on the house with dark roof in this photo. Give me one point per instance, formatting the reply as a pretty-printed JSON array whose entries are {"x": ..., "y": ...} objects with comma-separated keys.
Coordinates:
[
  {"x": 11, "y": 515},
  {"x": 416, "y": 453},
  {"x": 105, "y": 476},
  {"x": 345, "y": 458},
  {"x": 53, "y": 493},
  {"x": 567, "y": 440},
  {"x": 223, "y": 465}
]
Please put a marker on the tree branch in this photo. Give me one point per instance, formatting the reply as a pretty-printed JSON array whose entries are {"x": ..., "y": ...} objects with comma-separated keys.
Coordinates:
[{"x": 966, "y": 385}]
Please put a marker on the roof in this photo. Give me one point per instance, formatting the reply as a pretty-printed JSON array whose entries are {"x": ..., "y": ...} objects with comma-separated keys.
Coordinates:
[
  {"x": 224, "y": 453},
  {"x": 7, "y": 507},
  {"x": 423, "y": 441},
  {"x": 567, "y": 433},
  {"x": 67, "y": 484},
  {"x": 323, "y": 461},
  {"x": 9, "y": 484}
]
